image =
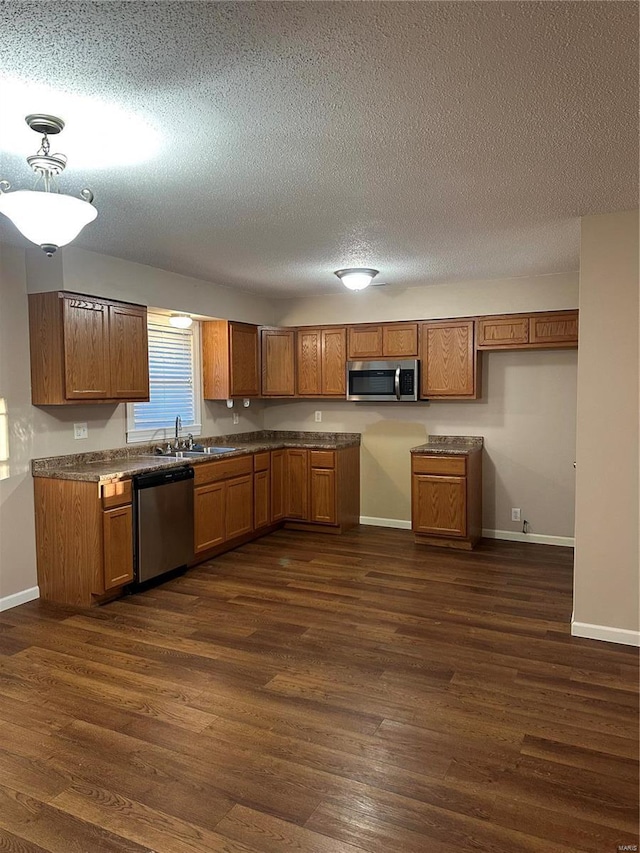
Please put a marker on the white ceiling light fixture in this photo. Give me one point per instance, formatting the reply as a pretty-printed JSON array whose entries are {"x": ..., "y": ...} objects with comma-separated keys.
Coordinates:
[
  {"x": 180, "y": 321},
  {"x": 357, "y": 278},
  {"x": 46, "y": 216}
]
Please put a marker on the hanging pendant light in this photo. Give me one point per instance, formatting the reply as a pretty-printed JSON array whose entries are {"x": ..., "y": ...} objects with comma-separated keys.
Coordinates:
[
  {"x": 46, "y": 216},
  {"x": 356, "y": 278}
]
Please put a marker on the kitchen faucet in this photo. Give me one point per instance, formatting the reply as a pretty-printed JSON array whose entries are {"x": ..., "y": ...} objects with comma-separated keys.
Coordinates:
[{"x": 178, "y": 428}]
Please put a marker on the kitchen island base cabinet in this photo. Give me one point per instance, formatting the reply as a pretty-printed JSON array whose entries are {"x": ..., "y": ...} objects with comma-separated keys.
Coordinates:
[
  {"x": 446, "y": 499},
  {"x": 84, "y": 540}
]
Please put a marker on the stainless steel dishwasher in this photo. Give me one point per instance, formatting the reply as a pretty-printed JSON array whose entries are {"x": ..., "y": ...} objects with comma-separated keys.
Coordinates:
[{"x": 163, "y": 502}]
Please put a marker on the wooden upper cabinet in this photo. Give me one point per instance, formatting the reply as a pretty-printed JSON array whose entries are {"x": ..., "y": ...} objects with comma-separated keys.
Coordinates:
[
  {"x": 503, "y": 332},
  {"x": 278, "y": 362},
  {"x": 229, "y": 360},
  {"x": 528, "y": 331},
  {"x": 449, "y": 365},
  {"x": 309, "y": 362},
  {"x": 364, "y": 342},
  {"x": 87, "y": 349},
  {"x": 321, "y": 360},
  {"x": 390, "y": 340},
  {"x": 129, "y": 352},
  {"x": 400, "y": 340},
  {"x": 556, "y": 329}
]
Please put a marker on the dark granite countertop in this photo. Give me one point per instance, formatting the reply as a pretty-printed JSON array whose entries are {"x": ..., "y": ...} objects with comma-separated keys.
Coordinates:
[
  {"x": 450, "y": 445},
  {"x": 105, "y": 466}
]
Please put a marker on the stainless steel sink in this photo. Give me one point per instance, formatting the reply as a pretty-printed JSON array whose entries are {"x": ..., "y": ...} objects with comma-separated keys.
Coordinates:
[{"x": 193, "y": 454}]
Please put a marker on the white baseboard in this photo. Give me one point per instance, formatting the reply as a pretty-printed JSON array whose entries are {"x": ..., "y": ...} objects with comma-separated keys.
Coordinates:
[
  {"x": 385, "y": 522},
  {"x": 17, "y": 598},
  {"x": 535, "y": 538},
  {"x": 606, "y": 633}
]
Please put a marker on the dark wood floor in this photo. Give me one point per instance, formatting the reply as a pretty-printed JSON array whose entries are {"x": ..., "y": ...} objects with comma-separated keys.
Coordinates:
[{"x": 322, "y": 694}]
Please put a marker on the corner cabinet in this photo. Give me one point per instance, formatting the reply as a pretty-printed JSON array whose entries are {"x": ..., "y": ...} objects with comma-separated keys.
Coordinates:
[
  {"x": 84, "y": 539},
  {"x": 446, "y": 499},
  {"x": 85, "y": 349},
  {"x": 450, "y": 366},
  {"x": 229, "y": 360}
]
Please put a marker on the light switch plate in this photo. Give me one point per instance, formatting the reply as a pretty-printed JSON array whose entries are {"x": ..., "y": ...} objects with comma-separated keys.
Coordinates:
[
  {"x": 236, "y": 418},
  {"x": 80, "y": 431}
]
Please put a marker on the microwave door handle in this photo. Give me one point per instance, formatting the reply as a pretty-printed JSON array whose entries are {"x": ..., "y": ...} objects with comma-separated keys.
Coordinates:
[{"x": 397, "y": 383}]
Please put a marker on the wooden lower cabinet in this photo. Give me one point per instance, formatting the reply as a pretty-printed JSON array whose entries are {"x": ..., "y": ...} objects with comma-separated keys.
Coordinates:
[
  {"x": 222, "y": 502},
  {"x": 84, "y": 539},
  {"x": 117, "y": 528},
  {"x": 297, "y": 484},
  {"x": 323, "y": 488},
  {"x": 261, "y": 499},
  {"x": 208, "y": 516},
  {"x": 446, "y": 499},
  {"x": 278, "y": 485}
]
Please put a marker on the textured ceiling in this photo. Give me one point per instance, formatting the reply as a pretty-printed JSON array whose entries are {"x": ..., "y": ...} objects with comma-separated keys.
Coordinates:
[{"x": 264, "y": 145}]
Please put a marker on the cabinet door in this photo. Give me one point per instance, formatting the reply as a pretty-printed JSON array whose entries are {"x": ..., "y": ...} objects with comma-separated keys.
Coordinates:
[
  {"x": 209, "y": 512},
  {"x": 365, "y": 342},
  {"x": 86, "y": 349},
  {"x": 128, "y": 352},
  {"x": 334, "y": 362},
  {"x": 261, "y": 499},
  {"x": 555, "y": 329},
  {"x": 297, "y": 484},
  {"x": 400, "y": 341},
  {"x": 278, "y": 362},
  {"x": 323, "y": 495},
  {"x": 239, "y": 506},
  {"x": 503, "y": 332},
  {"x": 243, "y": 344},
  {"x": 117, "y": 529},
  {"x": 309, "y": 362},
  {"x": 278, "y": 488},
  {"x": 448, "y": 359},
  {"x": 439, "y": 505}
]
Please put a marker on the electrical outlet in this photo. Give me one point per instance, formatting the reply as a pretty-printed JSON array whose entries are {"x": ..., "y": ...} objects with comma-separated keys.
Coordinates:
[
  {"x": 318, "y": 417},
  {"x": 236, "y": 419},
  {"x": 515, "y": 514},
  {"x": 80, "y": 431}
]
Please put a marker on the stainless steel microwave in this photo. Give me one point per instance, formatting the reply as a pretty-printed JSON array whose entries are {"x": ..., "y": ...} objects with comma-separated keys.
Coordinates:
[{"x": 380, "y": 381}]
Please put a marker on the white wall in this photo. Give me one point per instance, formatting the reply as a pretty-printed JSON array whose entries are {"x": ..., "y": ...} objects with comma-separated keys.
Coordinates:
[
  {"x": 526, "y": 414},
  {"x": 607, "y": 560}
]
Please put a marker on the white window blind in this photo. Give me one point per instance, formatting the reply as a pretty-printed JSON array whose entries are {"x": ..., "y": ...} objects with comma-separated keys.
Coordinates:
[{"x": 173, "y": 385}]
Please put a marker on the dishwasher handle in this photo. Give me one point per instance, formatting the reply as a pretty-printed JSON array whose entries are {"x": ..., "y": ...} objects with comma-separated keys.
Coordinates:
[{"x": 162, "y": 478}]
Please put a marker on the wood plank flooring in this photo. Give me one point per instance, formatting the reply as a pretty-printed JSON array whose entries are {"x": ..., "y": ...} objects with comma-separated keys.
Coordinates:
[{"x": 322, "y": 695}]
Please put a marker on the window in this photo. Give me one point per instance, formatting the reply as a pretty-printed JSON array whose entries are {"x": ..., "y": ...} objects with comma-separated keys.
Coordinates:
[{"x": 174, "y": 384}]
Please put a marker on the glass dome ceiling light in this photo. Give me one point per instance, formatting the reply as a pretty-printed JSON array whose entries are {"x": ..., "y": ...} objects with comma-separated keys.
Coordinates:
[
  {"x": 356, "y": 278},
  {"x": 46, "y": 216}
]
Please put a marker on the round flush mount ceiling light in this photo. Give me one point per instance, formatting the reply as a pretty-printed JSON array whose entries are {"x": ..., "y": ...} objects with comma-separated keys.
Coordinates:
[
  {"x": 46, "y": 216},
  {"x": 357, "y": 278},
  {"x": 180, "y": 321}
]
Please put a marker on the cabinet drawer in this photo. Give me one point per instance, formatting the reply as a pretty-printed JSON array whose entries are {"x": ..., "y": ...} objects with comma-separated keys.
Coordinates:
[
  {"x": 262, "y": 461},
  {"x": 211, "y": 472},
  {"x": 453, "y": 465},
  {"x": 323, "y": 459},
  {"x": 116, "y": 494}
]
